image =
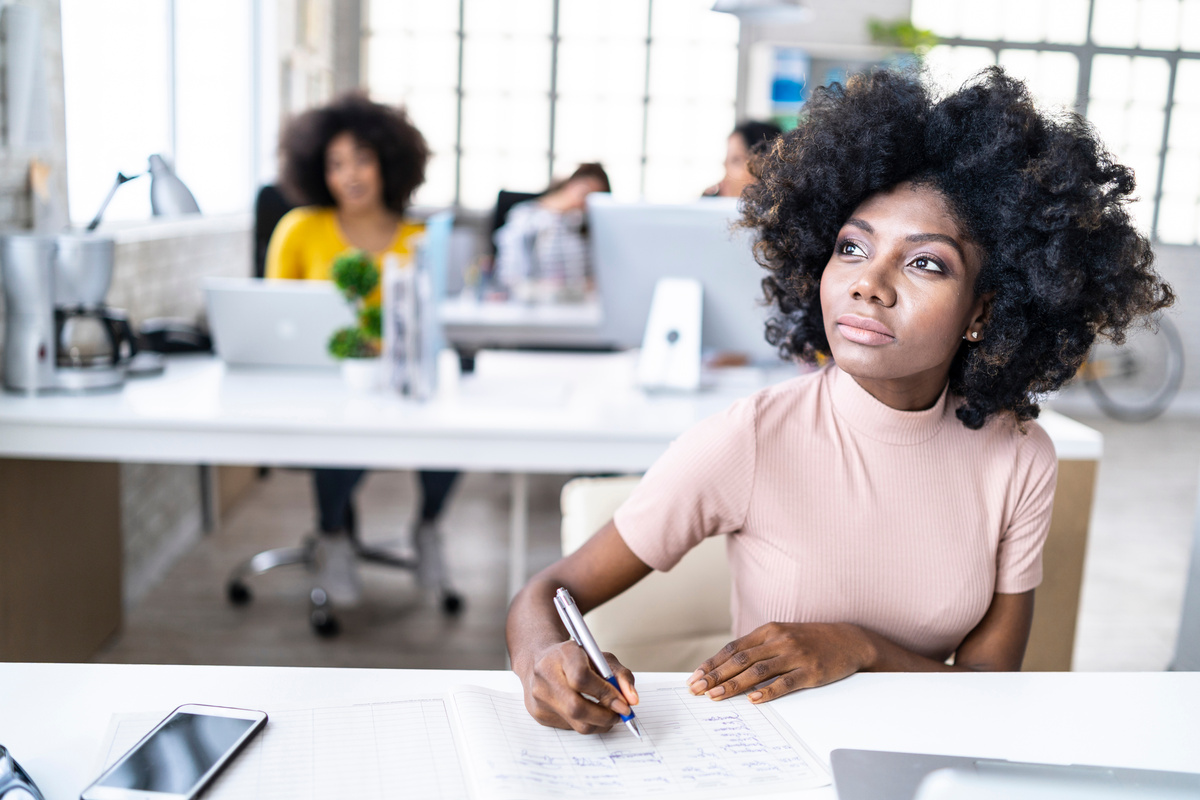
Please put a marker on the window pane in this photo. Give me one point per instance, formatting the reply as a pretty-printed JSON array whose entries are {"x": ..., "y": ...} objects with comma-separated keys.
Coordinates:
[
  {"x": 608, "y": 132},
  {"x": 939, "y": 16},
  {"x": 1066, "y": 21},
  {"x": 400, "y": 61},
  {"x": 982, "y": 20},
  {"x": 394, "y": 16},
  {"x": 1178, "y": 220},
  {"x": 100, "y": 77},
  {"x": 485, "y": 174},
  {"x": 1189, "y": 26},
  {"x": 1114, "y": 23},
  {"x": 213, "y": 103},
  {"x": 950, "y": 67},
  {"x": 1024, "y": 21},
  {"x": 1052, "y": 77},
  {"x": 610, "y": 19},
  {"x": 1158, "y": 24},
  {"x": 527, "y": 18}
]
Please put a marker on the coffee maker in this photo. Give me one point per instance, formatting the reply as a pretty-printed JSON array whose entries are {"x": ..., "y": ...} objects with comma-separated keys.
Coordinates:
[{"x": 59, "y": 336}]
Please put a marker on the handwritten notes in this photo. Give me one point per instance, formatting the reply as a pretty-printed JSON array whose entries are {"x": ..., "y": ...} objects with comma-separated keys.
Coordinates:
[
  {"x": 483, "y": 744},
  {"x": 693, "y": 747}
]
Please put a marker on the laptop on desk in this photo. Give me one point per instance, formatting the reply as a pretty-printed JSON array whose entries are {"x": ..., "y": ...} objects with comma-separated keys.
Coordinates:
[
  {"x": 881, "y": 775},
  {"x": 274, "y": 323}
]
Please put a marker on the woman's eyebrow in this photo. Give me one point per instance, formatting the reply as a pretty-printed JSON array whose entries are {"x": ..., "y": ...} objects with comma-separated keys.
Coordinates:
[
  {"x": 937, "y": 237},
  {"x": 861, "y": 224}
]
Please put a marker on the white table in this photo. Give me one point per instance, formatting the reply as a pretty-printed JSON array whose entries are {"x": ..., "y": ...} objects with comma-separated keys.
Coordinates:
[
  {"x": 518, "y": 413},
  {"x": 55, "y": 715}
]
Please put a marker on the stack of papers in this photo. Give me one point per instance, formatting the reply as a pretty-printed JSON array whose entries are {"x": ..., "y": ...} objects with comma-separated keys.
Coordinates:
[{"x": 482, "y": 744}]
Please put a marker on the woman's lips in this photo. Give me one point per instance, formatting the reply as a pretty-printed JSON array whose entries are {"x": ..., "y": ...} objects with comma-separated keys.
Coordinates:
[{"x": 864, "y": 331}]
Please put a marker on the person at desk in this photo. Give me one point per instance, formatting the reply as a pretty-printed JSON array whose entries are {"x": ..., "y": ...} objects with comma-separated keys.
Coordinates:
[
  {"x": 356, "y": 164},
  {"x": 747, "y": 138},
  {"x": 541, "y": 249},
  {"x": 956, "y": 258}
]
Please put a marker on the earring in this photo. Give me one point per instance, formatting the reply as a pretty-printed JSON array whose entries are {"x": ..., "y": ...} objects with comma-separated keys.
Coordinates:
[{"x": 974, "y": 334}]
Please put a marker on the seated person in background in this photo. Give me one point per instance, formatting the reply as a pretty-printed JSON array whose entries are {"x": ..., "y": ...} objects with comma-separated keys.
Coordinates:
[
  {"x": 355, "y": 164},
  {"x": 957, "y": 258},
  {"x": 747, "y": 138},
  {"x": 541, "y": 249}
]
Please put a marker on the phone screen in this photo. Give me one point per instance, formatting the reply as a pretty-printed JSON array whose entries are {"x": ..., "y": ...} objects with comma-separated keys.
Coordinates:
[{"x": 175, "y": 758}]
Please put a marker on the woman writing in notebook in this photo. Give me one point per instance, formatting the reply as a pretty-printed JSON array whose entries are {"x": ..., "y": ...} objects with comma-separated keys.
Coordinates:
[
  {"x": 355, "y": 165},
  {"x": 956, "y": 258}
]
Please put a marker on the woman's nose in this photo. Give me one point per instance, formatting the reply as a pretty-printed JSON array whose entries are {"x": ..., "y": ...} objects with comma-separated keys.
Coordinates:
[{"x": 873, "y": 284}]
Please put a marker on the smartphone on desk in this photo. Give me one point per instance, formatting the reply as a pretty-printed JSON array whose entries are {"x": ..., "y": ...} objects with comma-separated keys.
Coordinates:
[{"x": 180, "y": 757}]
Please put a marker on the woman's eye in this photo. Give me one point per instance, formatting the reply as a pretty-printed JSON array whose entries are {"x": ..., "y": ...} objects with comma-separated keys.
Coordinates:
[
  {"x": 928, "y": 264},
  {"x": 850, "y": 249}
]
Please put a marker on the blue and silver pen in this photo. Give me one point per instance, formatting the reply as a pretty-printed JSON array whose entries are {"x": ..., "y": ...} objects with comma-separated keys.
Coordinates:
[{"x": 573, "y": 621}]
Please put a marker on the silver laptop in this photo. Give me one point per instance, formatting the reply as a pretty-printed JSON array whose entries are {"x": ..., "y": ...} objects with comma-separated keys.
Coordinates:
[
  {"x": 880, "y": 775},
  {"x": 274, "y": 323}
]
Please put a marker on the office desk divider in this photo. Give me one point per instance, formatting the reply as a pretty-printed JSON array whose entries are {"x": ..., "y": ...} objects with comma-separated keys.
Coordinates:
[{"x": 482, "y": 743}]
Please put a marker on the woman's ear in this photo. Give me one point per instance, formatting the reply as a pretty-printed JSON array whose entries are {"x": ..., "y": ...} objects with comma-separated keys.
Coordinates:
[{"x": 980, "y": 315}]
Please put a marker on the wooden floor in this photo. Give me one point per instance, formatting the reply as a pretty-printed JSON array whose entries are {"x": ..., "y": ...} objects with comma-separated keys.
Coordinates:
[
  {"x": 186, "y": 619},
  {"x": 1132, "y": 593}
]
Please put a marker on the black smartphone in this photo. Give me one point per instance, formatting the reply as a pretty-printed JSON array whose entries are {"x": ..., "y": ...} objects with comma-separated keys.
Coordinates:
[{"x": 180, "y": 757}]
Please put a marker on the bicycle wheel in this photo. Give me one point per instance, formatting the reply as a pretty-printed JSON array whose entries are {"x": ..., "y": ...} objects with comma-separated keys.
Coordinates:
[{"x": 1138, "y": 380}]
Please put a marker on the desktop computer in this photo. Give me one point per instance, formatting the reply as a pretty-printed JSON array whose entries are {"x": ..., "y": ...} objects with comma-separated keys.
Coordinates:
[{"x": 633, "y": 245}]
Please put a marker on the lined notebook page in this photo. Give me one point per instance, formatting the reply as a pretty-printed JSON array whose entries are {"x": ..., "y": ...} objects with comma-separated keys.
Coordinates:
[
  {"x": 692, "y": 747},
  {"x": 367, "y": 752}
]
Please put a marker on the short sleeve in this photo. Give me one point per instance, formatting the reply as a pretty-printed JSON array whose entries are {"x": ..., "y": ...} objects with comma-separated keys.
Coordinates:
[
  {"x": 1019, "y": 560},
  {"x": 699, "y": 487},
  {"x": 285, "y": 250}
]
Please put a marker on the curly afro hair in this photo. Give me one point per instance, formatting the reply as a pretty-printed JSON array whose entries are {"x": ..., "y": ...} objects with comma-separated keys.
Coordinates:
[
  {"x": 1039, "y": 195},
  {"x": 401, "y": 149}
]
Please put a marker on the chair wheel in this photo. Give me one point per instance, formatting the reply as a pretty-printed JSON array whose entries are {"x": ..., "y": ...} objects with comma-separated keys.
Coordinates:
[
  {"x": 324, "y": 624},
  {"x": 452, "y": 603},
  {"x": 239, "y": 593}
]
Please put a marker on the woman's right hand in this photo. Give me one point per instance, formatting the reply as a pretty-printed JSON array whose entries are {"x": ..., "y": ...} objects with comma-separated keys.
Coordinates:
[{"x": 559, "y": 677}]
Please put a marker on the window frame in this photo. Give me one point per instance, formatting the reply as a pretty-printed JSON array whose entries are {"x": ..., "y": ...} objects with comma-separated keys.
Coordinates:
[{"x": 1085, "y": 52}]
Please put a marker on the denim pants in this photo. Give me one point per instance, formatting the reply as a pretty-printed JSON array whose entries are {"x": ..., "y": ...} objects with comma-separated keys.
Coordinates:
[{"x": 335, "y": 493}]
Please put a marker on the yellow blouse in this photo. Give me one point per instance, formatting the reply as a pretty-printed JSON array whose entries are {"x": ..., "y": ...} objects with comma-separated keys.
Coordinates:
[{"x": 308, "y": 240}]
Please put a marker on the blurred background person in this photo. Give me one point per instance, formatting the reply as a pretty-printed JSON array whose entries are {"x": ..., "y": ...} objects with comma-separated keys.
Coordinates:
[
  {"x": 746, "y": 138},
  {"x": 355, "y": 165},
  {"x": 541, "y": 249}
]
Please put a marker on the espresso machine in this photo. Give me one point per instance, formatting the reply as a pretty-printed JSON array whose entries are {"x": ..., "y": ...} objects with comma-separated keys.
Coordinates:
[{"x": 59, "y": 336}]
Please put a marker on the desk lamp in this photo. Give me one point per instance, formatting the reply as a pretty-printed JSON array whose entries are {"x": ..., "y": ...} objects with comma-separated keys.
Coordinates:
[{"x": 168, "y": 195}]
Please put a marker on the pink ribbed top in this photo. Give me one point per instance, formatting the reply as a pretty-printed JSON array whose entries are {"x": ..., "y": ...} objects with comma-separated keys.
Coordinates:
[{"x": 842, "y": 509}]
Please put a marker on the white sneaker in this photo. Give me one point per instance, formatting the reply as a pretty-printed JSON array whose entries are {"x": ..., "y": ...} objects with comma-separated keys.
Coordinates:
[{"x": 337, "y": 569}]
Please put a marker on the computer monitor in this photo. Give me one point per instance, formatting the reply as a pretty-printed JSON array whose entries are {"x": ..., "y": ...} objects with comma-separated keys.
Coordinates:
[{"x": 635, "y": 244}]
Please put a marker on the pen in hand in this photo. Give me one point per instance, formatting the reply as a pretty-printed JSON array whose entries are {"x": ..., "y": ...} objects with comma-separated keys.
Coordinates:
[{"x": 578, "y": 630}]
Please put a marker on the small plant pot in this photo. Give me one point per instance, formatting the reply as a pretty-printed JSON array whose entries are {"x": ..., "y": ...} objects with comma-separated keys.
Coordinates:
[{"x": 363, "y": 374}]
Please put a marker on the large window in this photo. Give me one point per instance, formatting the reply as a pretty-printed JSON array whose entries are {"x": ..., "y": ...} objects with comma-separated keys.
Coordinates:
[
  {"x": 513, "y": 94},
  {"x": 160, "y": 76},
  {"x": 1131, "y": 66}
]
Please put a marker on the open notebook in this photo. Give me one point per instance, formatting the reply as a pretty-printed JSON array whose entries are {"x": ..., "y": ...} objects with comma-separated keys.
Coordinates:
[{"x": 482, "y": 744}]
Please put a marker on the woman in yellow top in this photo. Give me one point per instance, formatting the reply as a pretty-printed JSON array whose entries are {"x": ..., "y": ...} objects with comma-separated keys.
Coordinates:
[{"x": 355, "y": 164}]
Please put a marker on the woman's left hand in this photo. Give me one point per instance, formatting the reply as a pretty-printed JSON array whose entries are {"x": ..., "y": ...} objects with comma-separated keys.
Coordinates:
[{"x": 795, "y": 655}]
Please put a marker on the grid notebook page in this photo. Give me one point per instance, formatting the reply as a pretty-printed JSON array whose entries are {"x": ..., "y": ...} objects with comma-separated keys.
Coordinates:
[
  {"x": 692, "y": 747},
  {"x": 381, "y": 750}
]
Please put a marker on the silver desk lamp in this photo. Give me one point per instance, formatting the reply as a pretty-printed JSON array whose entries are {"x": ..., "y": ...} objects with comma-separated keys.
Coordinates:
[{"x": 168, "y": 195}]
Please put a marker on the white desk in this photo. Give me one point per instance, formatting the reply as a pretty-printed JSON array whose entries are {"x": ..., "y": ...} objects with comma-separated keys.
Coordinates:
[
  {"x": 54, "y": 715},
  {"x": 519, "y": 413}
]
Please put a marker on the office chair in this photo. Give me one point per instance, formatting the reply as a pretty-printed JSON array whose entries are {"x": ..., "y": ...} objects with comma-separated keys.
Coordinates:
[
  {"x": 668, "y": 621},
  {"x": 270, "y": 207},
  {"x": 428, "y": 563},
  {"x": 505, "y": 200}
]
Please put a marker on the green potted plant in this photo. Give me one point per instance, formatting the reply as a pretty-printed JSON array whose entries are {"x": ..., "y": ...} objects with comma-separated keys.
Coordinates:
[{"x": 358, "y": 346}]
